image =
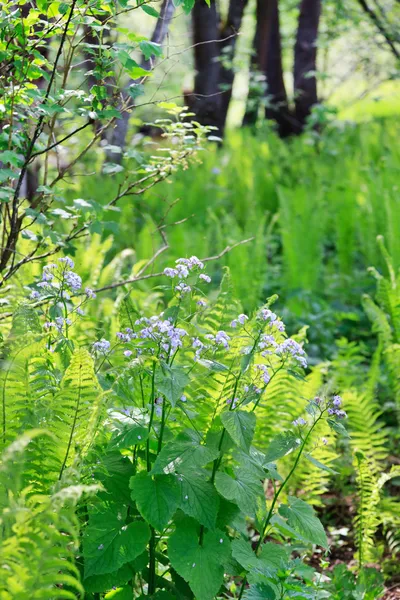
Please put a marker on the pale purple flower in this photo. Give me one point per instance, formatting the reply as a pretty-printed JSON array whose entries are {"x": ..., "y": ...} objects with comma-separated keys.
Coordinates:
[
  {"x": 170, "y": 272},
  {"x": 337, "y": 401},
  {"x": 128, "y": 353},
  {"x": 300, "y": 421},
  {"x": 183, "y": 398},
  {"x": 102, "y": 346},
  {"x": 90, "y": 293},
  {"x": 205, "y": 278},
  {"x": 201, "y": 303},
  {"x": 222, "y": 339},
  {"x": 73, "y": 280},
  {"x": 242, "y": 318},
  {"x": 68, "y": 261},
  {"x": 34, "y": 295}
]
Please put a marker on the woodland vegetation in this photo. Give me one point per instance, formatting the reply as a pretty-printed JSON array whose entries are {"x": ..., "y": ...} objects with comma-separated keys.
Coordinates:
[{"x": 199, "y": 299}]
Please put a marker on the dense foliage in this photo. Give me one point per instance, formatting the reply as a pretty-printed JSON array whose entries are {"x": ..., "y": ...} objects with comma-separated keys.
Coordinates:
[{"x": 223, "y": 424}]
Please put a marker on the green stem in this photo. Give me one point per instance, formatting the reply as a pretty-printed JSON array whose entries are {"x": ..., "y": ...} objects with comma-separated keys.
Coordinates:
[
  {"x": 152, "y": 563},
  {"x": 277, "y": 494},
  {"x": 151, "y": 419}
]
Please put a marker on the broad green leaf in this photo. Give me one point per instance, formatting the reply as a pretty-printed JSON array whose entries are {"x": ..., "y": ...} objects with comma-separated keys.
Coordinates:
[
  {"x": 150, "y": 10},
  {"x": 182, "y": 453},
  {"x": 338, "y": 427},
  {"x": 199, "y": 499},
  {"x": 103, "y": 583},
  {"x": 156, "y": 496},
  {"x": 260, "y": 591},
  {"x": 150, "y": 49},
  {"x": 246, "y": 490},
  {"x": 200, "y": 565},
  {"x": 108, "y": 543},
  {"x": 171, "y": 381},
  {"x": 240, "y": 425},
  {"x": 113, "y": 472},
  {"x": 272, "y": 558},
  {"x": 301, "y": 516},
  {"x": 281, "y": 445}
]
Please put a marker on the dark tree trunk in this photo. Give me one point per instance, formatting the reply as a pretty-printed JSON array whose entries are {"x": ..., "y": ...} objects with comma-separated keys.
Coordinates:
[
  {"x": 305, "y": 60},
  {"x": 30, "y": 183},
  {"x": 227, "y": 47},
  {"x": 214, "y": 51},
  {"x": 120, "y": 131},
  {"x": 277, "y": 107},
  {"x": 205, "y": 100},
  {"x": 267, "y": 61}
]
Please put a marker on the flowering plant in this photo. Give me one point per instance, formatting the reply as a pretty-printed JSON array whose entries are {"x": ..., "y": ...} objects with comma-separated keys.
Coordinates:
[{"x": 190, "y": 504}]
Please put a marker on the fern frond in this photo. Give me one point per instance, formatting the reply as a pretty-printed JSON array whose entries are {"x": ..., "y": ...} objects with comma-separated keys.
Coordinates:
[
  {"x": 40, "y": 535},
  {"x": 76, "y": 407}
]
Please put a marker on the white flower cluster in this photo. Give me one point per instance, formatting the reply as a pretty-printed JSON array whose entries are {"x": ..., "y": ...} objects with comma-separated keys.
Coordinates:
[{"x": 184, "y": 267}]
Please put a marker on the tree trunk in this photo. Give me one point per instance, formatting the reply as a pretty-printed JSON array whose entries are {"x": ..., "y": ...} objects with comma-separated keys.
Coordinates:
[
  {"x": 267, "y": 61},
  {"x": 205, "y": 99},
  {"x": 227, "y": 47},
  {"x": 305, "y": 60},
  {"x": 120, "y": 131}
]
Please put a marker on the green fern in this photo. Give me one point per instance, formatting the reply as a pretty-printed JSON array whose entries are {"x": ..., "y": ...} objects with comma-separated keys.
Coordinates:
[
  {"x": 76, "y": 408},
  {"x": 39, "y": 533}
]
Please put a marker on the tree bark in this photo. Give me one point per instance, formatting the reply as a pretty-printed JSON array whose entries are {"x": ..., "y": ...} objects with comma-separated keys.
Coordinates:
[
  {"x": 120, "y": 131},
  {"x": 267, "y": 61},
  {"x": 227, "y": 48},
  {"x": 305, "y": 60},
  {"x": 205, "y": 99}
]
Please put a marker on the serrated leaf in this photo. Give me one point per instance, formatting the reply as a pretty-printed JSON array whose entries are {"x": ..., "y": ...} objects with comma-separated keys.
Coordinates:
[
  {"x": 103, "y": 583},
  {"x": 150, "y": 49},
  {"x": 200, "y": 565},
  {"x": 240, "y": 425},
  {"x": 171, "y": 381},
  {"x": 199, "y": 499},
  {"x": 108, "y": 543},
  {"x": 182, "y": 453},
  {"x": 281, "y": 445},
  {"x": 156, "y": 496},
  {"x": 260, "y": 591},
  {"x": 301, "y": 516},
  {"x": 245, "y": 490},
  {"x": 272, "y": 558}
]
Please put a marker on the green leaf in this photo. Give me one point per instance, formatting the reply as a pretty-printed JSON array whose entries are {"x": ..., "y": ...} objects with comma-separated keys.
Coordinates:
[
  {"x": 260, "y": 591},
  {"x": 11, "y": 157},
  {"x": 338, "y": 427},
  {"x": 246, "y": 490},
  {"x": 149, "y": 10},
  {"x": 272, "y": 558},
  {"x": 108, "y": 543},
  {"x": 187, "y": 5},
  {"x": 150, "y": 49},
  {"x": 281, "y": 445},
  {"x": 200, "y": 565},
  {"x": 156, "y": 496},
  {"x": 171, "y": 381},
  {"x": 103, "y": 583},
  {"x": 319, "y": 464},
  {"x": 240, "y": 425},
  {"x": 199, "y": 499},
  {"x": 182, "y": 453},
  {"x": 301, "y": 516}
]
